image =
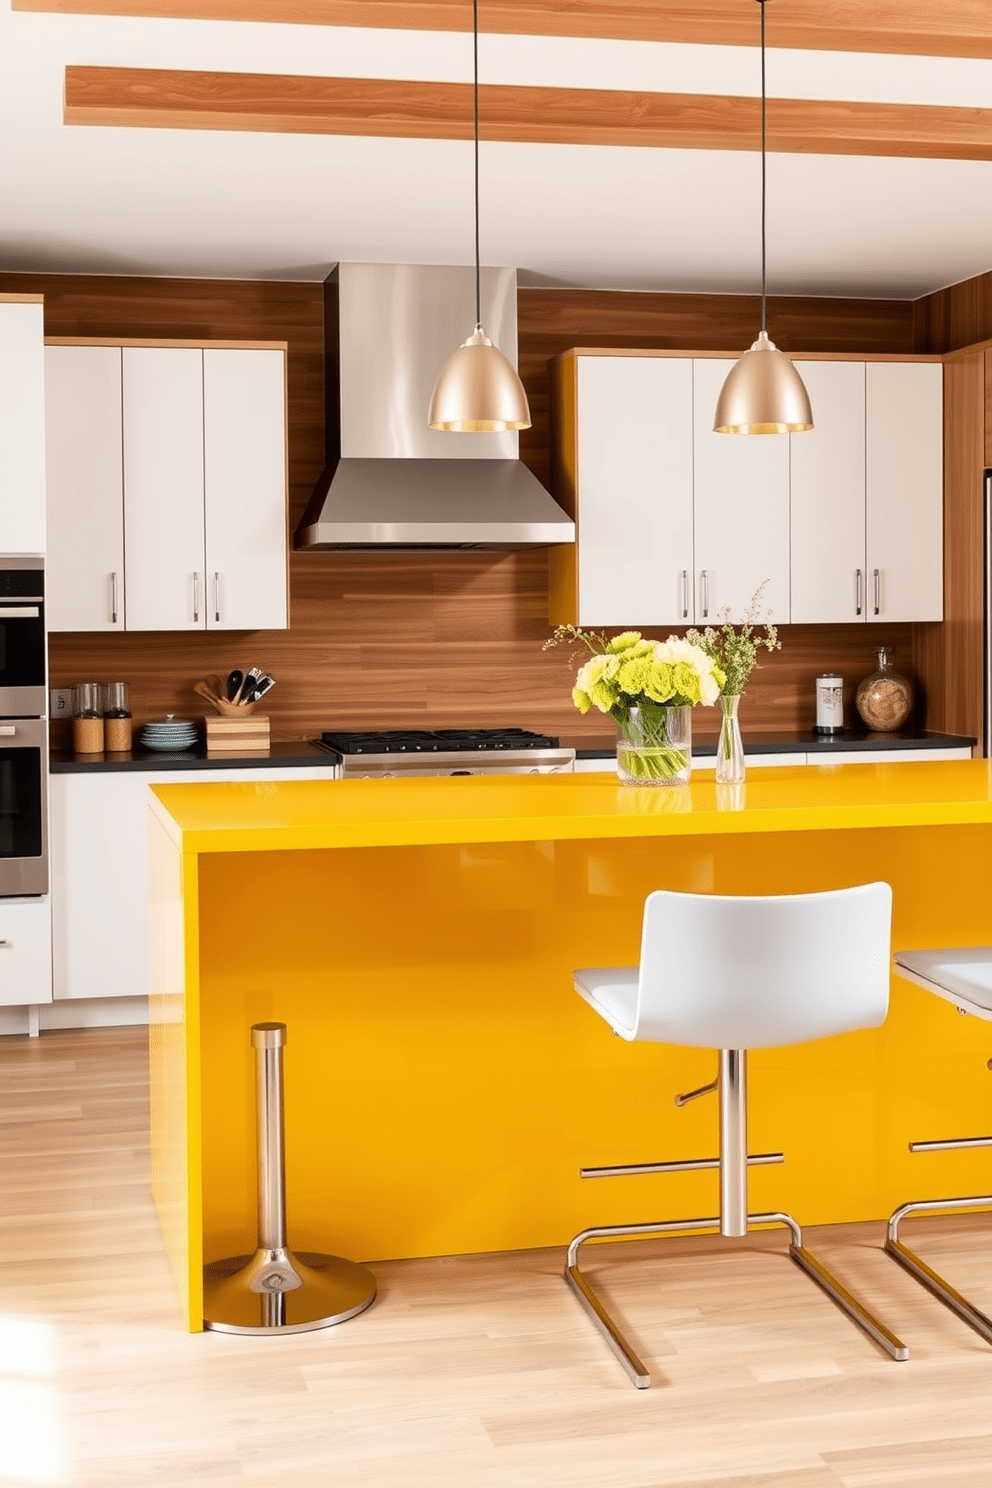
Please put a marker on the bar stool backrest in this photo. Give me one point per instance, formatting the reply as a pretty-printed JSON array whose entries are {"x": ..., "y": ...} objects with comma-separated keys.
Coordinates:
[{"x": 722, "y": 972}]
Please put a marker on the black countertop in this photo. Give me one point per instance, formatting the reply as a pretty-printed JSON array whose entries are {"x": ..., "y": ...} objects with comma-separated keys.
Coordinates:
[
  {"x": 278, "y": 756},
  {"x": 296, "y": 753},
  {"x": 799, "y": 741}
]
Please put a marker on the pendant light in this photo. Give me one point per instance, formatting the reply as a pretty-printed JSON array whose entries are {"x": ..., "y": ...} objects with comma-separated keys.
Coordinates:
[
  {"x": 478, "y": 390},
  {"x": 763, "y": 392}
]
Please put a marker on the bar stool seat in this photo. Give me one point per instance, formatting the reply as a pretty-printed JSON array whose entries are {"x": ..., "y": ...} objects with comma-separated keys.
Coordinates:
[
  {"x": 730, "y": 973},
  {"x": 963, "y": 977}
]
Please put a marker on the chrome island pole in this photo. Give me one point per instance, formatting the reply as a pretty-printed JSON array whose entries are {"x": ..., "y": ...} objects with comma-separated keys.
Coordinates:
[{"x": 275, "y": 1291}]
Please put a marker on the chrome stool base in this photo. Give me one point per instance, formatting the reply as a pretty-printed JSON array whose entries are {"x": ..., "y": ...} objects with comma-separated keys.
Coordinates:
[
  {"x": 329, "y": 1291},
  {"x": 273, "y": 1290},
  {"x": 923, "y": 1273},
  {"x": 797, "y": 1252}
]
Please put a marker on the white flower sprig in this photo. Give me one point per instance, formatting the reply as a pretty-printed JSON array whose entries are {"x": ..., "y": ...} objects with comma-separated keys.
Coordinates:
[{"x": 735, "y": 651}]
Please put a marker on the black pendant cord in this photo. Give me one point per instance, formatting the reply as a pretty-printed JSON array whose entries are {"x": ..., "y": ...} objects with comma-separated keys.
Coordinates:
[
  {"x": 475, "y": 64},
  {"x": 764, "y": 148}
]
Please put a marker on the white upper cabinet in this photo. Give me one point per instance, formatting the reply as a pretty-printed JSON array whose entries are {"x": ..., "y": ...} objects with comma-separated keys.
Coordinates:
[
  {"x": 167, "y": 488},
  {"x": 829, "y": 582},
  {"x": 678, "y": 525},
  {"x": 85, "y": 488},
  {"x": 22, "y": 426},
  {"x": 741, "y": 506},
  {"x": 904, "y": 460},
  {"x": 634, "y": 520},
  {"x": 244, "y": 460},
  {"x": 163, "y": 488}
]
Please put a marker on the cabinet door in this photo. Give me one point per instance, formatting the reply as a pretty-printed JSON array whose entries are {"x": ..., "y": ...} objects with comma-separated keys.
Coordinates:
[
  {"x": 85, "y": 488},
  {"x": 244, "y": 461},
  {"x": 634, "y": 525},
  {"x": 163, "y": 488},
  {"x": 99, "y": 861},
  {"x": 741, "y": 510},
  {"x": 22, "y": 428},
  {"x": 25, "y": 951},
  {"x": 904, "y": 486},
  {"x": 828, "y": 497}
]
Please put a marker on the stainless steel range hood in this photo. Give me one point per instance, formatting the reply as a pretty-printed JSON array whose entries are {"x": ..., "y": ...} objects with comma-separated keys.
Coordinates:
[{"x": 389, "y": 481}]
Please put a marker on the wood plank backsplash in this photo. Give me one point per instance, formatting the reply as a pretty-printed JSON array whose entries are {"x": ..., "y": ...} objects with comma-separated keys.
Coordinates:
[{"x": 439, "y": 639}]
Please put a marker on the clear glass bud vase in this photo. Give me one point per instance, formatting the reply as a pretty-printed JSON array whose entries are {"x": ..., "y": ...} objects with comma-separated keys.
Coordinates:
[{"x": 729, "y": 749}]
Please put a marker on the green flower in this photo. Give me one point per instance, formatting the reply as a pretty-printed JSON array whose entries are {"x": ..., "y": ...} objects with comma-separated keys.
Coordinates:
[
  {"x": 685, "y": 681},
  {"x": 581, "y": 699},
  {"x": 660, "y": 685},
  {"x": 629, "y": 644}
]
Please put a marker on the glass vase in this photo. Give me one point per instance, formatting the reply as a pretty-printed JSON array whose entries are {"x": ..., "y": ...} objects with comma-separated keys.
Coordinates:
[
  {"x": 885, "y": 699},
  {"x": 729, "y": 748},
  {"x": 654, "y": 745}
]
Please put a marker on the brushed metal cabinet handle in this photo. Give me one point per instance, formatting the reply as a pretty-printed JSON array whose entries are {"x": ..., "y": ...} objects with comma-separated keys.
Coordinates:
[
  {"x": 876, "y": 578},
  {"x": 685, "y": 594},
  {"x": 704, "y": 578},
  {"x": 216, "y": 598},
  {"x": 859, "y": 591},
  {"x": 113, "y": 599},
  {"x": 196, "y": 597}
]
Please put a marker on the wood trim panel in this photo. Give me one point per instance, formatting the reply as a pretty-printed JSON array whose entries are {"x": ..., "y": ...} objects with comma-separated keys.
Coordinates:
[
  {"x": 395, "y": 108},
  {"x": 25, "y": 299},
  {"x": 184, "y": 344},
  {"x": 954, "y": 28},
  {"x": 948, "y": 657}
]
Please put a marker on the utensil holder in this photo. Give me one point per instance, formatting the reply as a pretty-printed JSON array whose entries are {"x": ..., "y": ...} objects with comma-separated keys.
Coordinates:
[
  {"x": 234, "y": 733},
  {"x": 275, "y": 1291}
]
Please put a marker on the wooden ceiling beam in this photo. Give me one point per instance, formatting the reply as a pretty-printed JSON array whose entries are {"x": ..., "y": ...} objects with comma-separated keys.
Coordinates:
[
  {"x": 256, "y": 102},
  {"x": 946, "y": 28}
]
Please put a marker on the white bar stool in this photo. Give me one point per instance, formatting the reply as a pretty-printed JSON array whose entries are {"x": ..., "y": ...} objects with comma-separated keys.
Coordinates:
[
  {"x": 962, "y": 977},
  {"x": 732, "y": 974}
]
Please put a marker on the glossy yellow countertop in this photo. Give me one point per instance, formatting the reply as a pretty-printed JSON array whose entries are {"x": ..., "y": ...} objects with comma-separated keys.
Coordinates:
[{"x": 292, "y": 815}]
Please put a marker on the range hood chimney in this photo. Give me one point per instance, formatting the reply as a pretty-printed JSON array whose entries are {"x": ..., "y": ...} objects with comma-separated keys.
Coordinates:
[{"x": 389, "y": 480}]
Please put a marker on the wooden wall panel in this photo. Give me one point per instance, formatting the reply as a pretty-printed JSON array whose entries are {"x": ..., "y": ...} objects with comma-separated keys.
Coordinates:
[
  {"x": 449, "y": 638},
  {"x": 960, "y": 315},
  {"x": 948, "y": 657}
]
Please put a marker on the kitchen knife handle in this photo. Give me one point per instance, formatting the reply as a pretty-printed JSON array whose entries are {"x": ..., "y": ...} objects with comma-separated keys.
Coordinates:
[
  {"x": 216, "y": 598},
  {"x": 876, "y": 579},
  {"x": 704, "y": 578},
  {"x": 859, "y": 592},
  {"x": 113, "y": 599},
  {"x": 196, "y": 598}
]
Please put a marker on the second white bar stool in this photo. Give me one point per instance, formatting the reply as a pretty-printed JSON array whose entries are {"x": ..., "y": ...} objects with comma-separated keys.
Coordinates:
[
  {"x": 732, "y": 974},
  {"x": 962, "y": 976}
]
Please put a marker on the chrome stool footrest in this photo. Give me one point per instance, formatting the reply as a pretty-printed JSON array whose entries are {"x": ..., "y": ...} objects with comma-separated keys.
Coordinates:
[
  {"x": 925, "y": 1274},
  {"x": 797, "y": 1251}
]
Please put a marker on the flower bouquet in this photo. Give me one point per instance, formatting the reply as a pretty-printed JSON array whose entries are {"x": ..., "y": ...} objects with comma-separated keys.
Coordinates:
[{"x": 649, "y": 688}]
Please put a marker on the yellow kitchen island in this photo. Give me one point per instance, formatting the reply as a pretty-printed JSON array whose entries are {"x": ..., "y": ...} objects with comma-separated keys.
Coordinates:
[{"x": 444, "y": 1084}]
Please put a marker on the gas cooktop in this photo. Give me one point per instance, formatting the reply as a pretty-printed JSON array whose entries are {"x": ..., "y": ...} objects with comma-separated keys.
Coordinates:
[{"x": 433, "y": 741}]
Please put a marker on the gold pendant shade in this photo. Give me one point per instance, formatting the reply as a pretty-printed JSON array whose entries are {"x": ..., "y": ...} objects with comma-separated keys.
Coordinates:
[
  {"x": 763, "y": 394},
  {"x": 478, "y": 391}
]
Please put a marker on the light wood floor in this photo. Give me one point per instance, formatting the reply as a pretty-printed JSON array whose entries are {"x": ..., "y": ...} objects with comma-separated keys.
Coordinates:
[{"x": 472, "y": 1372}]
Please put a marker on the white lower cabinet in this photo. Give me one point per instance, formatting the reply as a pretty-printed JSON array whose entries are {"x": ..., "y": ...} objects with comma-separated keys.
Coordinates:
[
  {"x": 99, "y": 826},
  {"x": 25, "y": 951}
]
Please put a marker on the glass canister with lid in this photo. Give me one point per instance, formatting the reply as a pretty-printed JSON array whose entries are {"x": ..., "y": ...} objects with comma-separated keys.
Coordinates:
[
  {"x": 87, "y": 718},
  {"x": 117, "y": 719}
]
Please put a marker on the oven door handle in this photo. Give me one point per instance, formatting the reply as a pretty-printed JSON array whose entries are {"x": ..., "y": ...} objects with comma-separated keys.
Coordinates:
[
  {"x": 19, "y": 612},
  {"x": 8, "y": 730}
]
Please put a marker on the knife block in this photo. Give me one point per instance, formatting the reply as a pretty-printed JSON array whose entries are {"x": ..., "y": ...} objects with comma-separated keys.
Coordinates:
[{"x": 238, "y": 735}]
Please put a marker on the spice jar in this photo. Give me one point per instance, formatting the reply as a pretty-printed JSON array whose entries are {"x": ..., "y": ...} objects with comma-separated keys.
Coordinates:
[
  {"x": 87, "y": 719},
  {"x": 117, "y": 718}
]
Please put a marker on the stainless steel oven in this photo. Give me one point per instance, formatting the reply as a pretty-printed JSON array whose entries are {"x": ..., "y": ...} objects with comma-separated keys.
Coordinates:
[
  {"x": 23, "y": 806},
  {"x": 23, "y": 652}
]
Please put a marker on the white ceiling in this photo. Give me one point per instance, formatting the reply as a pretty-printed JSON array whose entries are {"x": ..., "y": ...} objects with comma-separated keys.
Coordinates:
[{"x": 281, "y": 206}]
